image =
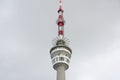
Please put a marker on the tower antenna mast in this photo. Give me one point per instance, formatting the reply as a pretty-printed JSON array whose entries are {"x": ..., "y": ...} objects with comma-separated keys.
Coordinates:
[{"x": 60, "y": 21}]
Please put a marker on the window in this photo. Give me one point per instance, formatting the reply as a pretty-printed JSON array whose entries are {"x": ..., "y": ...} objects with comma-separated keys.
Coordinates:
[
  {"x": 66, "y": 55},
  {"x": 61, "y": 58},
  {"x": 68, "y": 61},
  {"x": 57, "y": 59}
]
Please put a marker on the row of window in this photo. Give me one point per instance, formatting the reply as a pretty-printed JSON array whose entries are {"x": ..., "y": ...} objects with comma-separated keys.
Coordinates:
[
  {"x": 60, "y": 53},
  {"x": 57, "y": 59}
]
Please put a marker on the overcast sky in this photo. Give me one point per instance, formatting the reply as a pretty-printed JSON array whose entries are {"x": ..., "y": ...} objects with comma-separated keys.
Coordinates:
[{"x": 27, "y": 28}]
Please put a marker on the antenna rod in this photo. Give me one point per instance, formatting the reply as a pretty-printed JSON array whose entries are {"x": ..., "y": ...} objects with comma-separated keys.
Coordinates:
[{"x": 60, "y": 21}]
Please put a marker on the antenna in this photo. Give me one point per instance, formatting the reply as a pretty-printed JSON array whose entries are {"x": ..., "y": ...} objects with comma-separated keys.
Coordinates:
[{"x": 60, "y": 21}]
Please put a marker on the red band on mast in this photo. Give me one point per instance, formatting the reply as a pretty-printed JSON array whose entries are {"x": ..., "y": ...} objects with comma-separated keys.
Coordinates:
[{"x": 60, "y": 32}]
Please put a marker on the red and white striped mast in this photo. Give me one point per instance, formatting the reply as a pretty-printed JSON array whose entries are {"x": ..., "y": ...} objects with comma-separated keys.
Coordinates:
[{"x": 60, "y": 21}]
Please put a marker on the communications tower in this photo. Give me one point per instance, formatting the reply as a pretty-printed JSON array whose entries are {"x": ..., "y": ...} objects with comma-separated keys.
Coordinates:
[{"x": 60, "y": 52}]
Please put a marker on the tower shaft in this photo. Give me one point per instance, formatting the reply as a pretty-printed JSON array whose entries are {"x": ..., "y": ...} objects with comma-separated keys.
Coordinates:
[{"x": 60, "y": 72}]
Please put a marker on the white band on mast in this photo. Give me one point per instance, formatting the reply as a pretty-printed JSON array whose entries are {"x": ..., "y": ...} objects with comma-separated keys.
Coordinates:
[{"x": 60, "y": 2}]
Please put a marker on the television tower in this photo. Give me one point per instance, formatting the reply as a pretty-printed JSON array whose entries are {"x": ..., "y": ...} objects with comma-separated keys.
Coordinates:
[{"x": 60, "y": 53}]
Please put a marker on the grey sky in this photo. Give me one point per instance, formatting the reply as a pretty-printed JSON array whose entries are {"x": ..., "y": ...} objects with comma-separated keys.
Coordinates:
[{"x": 28, "y": 27}]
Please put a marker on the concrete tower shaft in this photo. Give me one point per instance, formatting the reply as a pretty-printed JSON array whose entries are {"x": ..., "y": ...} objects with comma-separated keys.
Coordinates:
[{"x": 60, "y": 72}]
